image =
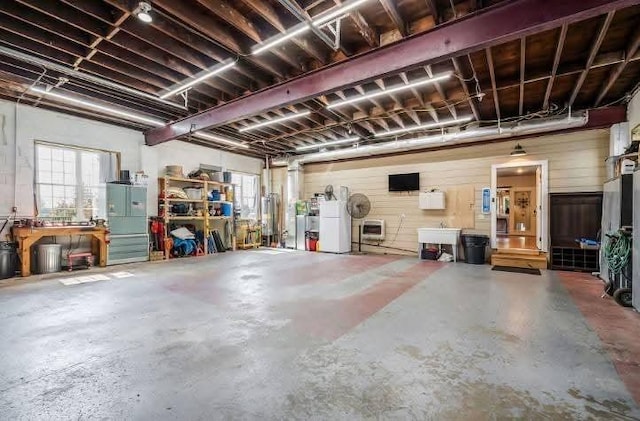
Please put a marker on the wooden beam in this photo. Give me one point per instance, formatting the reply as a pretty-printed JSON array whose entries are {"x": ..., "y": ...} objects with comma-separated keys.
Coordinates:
[
  {"x": 595, "y": 46},
  {"x": 370, "y": 36},
  {"x": 433, "y": 9},
  {"x": 234, "y": 18},
  {"x": 617, "y": 71},
  {"x": 390, "y": 7},
  {"x": 442, "y": 93},
  {"x": 465, "y": 89},
  {"x": 365, "y": 30},
  {"x": 523, "y": 59},
  {"x": 556, "y": 63},
  {"x": 496, "y": 102},
  {"x": 268, "y": 13},
  {"x": 210, "y": 28},
  {"x": 497, "y": 25}
]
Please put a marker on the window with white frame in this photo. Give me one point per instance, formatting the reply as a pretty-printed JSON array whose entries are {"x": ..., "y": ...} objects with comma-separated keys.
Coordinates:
[
  {"x": 71, "y": 182},
  {"x": 246, "y": 194}
]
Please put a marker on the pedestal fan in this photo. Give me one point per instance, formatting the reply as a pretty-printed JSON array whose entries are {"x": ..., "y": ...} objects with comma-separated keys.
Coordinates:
[{"x": 358, "y": 206}]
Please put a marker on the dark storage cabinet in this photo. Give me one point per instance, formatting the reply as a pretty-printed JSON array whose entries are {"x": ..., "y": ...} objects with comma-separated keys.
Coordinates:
[
  {"x": 574, "y": 258},
  {"x": 574, "y": 216}
]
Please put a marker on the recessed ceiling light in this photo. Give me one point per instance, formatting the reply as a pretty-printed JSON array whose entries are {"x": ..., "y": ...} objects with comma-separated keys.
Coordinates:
[{"x": 143, "y": 12}]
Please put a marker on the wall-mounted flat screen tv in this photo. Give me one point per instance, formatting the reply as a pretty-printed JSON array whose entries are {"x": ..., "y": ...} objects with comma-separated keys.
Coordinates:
[{"x": 404, "y": 182}]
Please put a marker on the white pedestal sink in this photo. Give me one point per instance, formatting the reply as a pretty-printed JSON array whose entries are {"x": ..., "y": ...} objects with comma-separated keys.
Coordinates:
[{"x": 439, "y": 236}]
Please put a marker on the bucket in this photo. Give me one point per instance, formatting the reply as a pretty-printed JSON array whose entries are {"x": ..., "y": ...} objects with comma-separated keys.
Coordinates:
[
  {"x": 227, "y": 209},
  {"x": 8, "y": 259},
  {"x": 193, "y": 193},
  {"x": 312, "y": 244},
  {"x": 48, "y": 258}
]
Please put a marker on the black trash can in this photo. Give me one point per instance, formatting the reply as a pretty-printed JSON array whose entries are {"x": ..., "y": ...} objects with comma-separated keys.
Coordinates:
[
  {"x": 474, "y": 248},
  {"x": 8, "y": 259}
]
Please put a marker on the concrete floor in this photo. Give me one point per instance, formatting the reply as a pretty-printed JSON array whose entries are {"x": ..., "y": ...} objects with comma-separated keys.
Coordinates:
[{"x": 293, "y": 335}]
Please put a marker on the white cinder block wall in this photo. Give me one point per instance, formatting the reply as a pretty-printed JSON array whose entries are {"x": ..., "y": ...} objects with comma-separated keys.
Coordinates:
[{"x": 17, "y": 152}]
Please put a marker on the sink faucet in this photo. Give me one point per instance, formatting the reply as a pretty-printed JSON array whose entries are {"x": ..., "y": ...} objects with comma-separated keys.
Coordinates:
[{"x": 442, "y": 224}]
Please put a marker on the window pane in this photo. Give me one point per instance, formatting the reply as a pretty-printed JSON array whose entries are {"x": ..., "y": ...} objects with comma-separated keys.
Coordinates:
[
  {"x": 60, "y": 193},
  {"x": 57, "y": 154}
]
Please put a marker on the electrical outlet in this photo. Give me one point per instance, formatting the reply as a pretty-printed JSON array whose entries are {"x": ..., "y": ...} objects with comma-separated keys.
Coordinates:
[{"x": 14, "y": 209}]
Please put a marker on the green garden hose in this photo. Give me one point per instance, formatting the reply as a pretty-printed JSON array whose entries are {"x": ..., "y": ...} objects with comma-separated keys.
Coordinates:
[{"x": 617, "y": 251}]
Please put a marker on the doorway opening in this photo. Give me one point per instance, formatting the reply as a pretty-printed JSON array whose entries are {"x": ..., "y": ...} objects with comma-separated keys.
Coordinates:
[{"x": 518, "y": 213}]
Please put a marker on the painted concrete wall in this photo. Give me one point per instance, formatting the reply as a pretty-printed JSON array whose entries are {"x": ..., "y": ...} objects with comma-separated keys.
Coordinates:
[
  {"x": 17, "y": 152},
  {"x": 576, "y": 164}
]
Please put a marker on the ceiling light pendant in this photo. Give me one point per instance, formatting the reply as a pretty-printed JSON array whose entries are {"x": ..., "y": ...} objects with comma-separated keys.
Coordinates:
[
  {"x": 143, "y": 12},
  {"x": 280, "y": 39},
  {"x": 388, "y": 91},
  {"x": 329, "y": 143},
  {"x": 274, "y": 121},
  {"x": 423, "y": 127},
  {"x": 98, "y": 107},
  {"x": 219, "y": 139},
  {"x": 518, "y": 151},
  {"x": 181, "y": 88},
  {"x": 332, "y": 14}
]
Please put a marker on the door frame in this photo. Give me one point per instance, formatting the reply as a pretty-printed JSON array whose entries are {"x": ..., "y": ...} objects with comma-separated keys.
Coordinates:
[{"x": 542, "y": 207}]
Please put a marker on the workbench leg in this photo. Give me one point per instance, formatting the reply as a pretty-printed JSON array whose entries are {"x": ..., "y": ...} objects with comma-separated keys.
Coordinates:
[
  {"x": 25, "y": 257},
  {"x": 103, "y": 251}
]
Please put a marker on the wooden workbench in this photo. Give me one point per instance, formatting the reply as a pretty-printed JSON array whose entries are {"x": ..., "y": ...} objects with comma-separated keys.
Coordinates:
[{"x": 26, "y": 237}]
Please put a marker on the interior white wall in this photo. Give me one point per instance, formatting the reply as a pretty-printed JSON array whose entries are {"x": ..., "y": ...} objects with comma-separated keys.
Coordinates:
[{"x": 17, "y": 169}]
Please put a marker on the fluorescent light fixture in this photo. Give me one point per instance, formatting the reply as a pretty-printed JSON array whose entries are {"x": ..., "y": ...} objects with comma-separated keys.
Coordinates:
[
  {"x": 391, "y": 90},
  {"x": 198, "y": 80},
  {"x": 329, "y": 143},
  {"x": 143, "y": 12},
  {"x": 218, "y": 139},
  {"x": 280, "y": 39},
  {"x": 332, "y": 14},
  {"x": 93, "y": 105},
  {"x": 423, "y": 126},
  {"x": 274, "y": 121}
]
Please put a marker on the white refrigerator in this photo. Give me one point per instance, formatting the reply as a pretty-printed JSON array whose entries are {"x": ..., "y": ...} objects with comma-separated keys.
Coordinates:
[{"x": 335, "y": 227}]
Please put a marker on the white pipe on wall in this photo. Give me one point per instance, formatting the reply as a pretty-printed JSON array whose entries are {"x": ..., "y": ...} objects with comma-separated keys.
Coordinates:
[{"x": 467, "y": 136}]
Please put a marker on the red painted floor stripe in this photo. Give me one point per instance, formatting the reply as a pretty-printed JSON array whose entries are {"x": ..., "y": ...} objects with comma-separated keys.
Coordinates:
[
  {"x": 331, "y": 319},
  {"x": 617, "y": 327}
]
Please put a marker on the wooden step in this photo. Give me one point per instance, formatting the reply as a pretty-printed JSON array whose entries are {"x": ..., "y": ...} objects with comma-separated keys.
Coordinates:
[
  {"x": 519, "y": 260},
  {"x": 519, "y": 251}
]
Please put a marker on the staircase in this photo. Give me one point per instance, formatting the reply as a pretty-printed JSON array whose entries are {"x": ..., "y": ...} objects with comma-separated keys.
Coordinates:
[{"x": 520, "y": 258}]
